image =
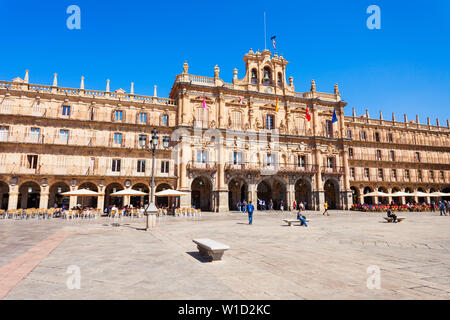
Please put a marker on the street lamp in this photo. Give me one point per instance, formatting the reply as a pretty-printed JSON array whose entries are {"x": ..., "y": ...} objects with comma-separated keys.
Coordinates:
[{"x": 151, "y": 208}]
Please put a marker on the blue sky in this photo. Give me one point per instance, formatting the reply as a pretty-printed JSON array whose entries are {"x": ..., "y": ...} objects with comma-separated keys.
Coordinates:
[{"x": 404, "y": 67}]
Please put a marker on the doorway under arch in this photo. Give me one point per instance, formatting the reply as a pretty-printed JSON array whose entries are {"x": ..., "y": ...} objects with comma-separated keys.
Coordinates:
[
  {"x": 303, "y": 193},
  {"x": 4, "y": 195},
  {"x": 29, "y": 195},
  {"x": 272, "y": 189},
  {"x": 201, "y": 195},
  {"x": 368, "y": 200},
  {"x": 162, "y": 201},
  {"x": 112, "y": 188},
  {"x": 355, "y": 195},
  {"x": 383, "y": 200},
  {"x": 396, "y": 200},
  {"x": 237, "y": 191},
  {"x": 137, "y": 201},
  {"x": 331, "y": 189},
  {"x": 55, "y": 196},
  {"x": 88, "y": 201}
]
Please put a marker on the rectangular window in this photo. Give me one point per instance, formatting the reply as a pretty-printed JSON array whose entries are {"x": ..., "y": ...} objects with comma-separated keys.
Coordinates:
[
  {"x": 269, "y": 122},
  {"x": 142, "y": 117},
  {"x": 380, "y": 173},
  {"x": 352, "y": 172},
  {"x": 118, "y": 115},
  {"x": 407, "y": 174},
  {"x": 417, "y": 157},
  {"x": 419, "y": 174},
  {"x": 349, "y": 134},
  {"x": 117, "y": 138},
  {"x": 330, "y": 162},
  {"x": 270, "y": 159},
  {"x": 390, "y": 137},
  {"x": 366, "y": 172},
  {"x": 35, "y": 132},
  {"x": 363, "y": 135},
  {"x": 201, "y": 157},
  {"x": 301, "y": 161},
  {"x": 164, "y": 166},
  {"x": 394, "y": 173},
  {"x": 141, "y": 166},
  {"x": 377, "y": 137},
  {"x": 392, "y": 155},
  {"x": 4, "y": 133},
  {"x": 379, "y": 155},
  {"x": 32, "y": 161},
  {"x": 431, "y": 174},
  {"x": 441, "y": 174},
  {"x": 66, "y": 111},
  {"x": 142, "y": 140},
  {"x": 64, "y": 135},
  {"x": 115, "y": 165},
  {"x": 329, "y": 128},
  {"x": 237, "y": 157},
  {"x": 350, "y": 152},
  {"x": 165, "y": 120}
]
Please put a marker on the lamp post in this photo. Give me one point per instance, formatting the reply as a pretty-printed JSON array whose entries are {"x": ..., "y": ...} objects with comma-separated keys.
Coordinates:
[{"x": 151, "y": 208}]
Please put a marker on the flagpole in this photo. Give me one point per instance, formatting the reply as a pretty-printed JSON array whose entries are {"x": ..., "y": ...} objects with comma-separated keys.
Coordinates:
[{"x": 265, "y": 33}]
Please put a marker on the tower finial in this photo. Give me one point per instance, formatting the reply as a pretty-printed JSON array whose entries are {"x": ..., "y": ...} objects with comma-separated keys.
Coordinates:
[
  {"x": 132, "y": 88},
  {"x": 336, "y": 89},
  {"x": 26, "y": 77},
  {"x": 185, "y": 67},
  {"x": 55, "y": 79},
  {"x": 107, "y": 85},
  {"x": 313, "y": 85},
  {"x": 82, "y": 83}
]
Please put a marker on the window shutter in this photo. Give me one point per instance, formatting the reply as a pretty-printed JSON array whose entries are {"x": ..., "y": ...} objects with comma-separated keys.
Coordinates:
[
  {"x": 112, "y": 115},
  {"x": 123, "y": 140}
]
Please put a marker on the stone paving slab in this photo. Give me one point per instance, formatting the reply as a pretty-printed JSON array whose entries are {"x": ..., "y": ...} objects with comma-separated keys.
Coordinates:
[{"x": 326, "y": 260}]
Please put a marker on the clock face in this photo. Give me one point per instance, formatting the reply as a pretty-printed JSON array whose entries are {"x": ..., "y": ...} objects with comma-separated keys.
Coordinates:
[{"x": 269, "y": 90}]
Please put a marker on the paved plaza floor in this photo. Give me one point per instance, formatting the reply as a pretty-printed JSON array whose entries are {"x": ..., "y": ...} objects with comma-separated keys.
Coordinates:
[{"x": 329, "y": 259}]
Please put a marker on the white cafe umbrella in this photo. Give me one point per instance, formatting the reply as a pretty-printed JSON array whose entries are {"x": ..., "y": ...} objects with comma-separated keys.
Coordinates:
[
  {"x": 129, "y": 192},
  {"x": 81, "y": 193},
  {"x": 401, "y": 194},
  {"x": 439, "y": 194},
  {"x": 170, "y": 193},
  {"x": 421, "y": 194},
  {"x": 377, "y": 194}
]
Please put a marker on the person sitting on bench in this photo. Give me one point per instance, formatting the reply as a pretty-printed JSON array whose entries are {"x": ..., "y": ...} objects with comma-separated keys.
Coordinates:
[
  {"x": 302, "y": 218},
  {"x": 391, "y": 215}
]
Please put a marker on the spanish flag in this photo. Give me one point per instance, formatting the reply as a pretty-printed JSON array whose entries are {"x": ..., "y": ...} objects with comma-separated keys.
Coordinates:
[{"x": 276, "y": 106}]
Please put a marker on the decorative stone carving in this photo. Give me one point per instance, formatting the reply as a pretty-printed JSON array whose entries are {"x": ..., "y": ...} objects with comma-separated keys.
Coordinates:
[{"x": 185, "y": 67}]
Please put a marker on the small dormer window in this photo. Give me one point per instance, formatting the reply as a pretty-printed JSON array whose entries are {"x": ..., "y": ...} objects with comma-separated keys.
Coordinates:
[
  {"x": 254, "y": 77},
  {"x": 267, "y": 76}
]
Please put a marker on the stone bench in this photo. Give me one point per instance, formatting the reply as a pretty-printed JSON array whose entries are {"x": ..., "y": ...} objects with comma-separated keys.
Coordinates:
[
  {"x": 211, "y": 248},
  {"x": 292, "y": 221},
  {"x": 399, "y": 219}
]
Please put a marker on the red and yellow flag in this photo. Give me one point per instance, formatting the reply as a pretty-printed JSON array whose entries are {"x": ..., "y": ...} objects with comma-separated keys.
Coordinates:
[{"x": 276, "y": 106}]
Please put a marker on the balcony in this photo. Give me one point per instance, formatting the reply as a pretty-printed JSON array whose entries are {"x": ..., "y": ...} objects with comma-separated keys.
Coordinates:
[
  {"x": 208, "y": 166},
  {"x": 406, "y": 159},
  {"x": 333, "y": 170}
]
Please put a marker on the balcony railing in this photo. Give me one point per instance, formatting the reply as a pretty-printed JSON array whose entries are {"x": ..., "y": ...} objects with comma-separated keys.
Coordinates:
[
  {"x": 384, "y": 158},
  {"x": 399, "y": 179},
  {"x": 208, "y": 166},
  {"x": 333, "y": 170}
]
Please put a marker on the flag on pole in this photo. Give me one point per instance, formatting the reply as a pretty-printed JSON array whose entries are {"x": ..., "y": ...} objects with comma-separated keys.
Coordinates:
[
  {"x": 276, "y": 106},
  {"x": 204, "y": 103},
  {"x": 273, "y": 41},
  {"x": 308, "y": 115},
  {"x": 335, "y": 119},
  {"x": 240, "y": 101}
]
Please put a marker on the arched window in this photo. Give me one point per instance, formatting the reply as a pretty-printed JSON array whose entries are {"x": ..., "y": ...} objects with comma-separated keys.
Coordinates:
[
  {"x": 267, "y": 76},
  {"x": 254, "y": 77},
  {"x": 280, "y": 80}
]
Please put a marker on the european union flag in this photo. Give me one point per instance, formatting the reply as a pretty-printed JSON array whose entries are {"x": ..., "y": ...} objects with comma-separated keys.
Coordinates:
[{"x": 335, "y": 119}]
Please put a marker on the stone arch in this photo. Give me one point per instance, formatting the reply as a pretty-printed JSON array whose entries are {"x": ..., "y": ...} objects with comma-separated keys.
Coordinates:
[
  {"x": 237, "y": 191},
  {"x": 396, "y": 200},
  {"x": 368, "y": 200},
  {"x": 446, "y": 190},
  {"x": 4, "y": 195},
  {"x": 272, "y": 188},
  {"x": 410, "y": 198},
  {"x": 201, "y": 193},
  {"x": 421, "y": 199},
  {"x": 303, "y": 192},
  {"x": 55, "y": 197},
  {"x": 29, "y": 195},
  {"x": 383, "y": 200},
  {"x": 331, "y": 191},
  {"x": 111, "y": 188},
  {"x": 162, "y": 201},
  {"x": 355, "y": 194},
  {"x": 140, "y": 200},
  {"x": 88, "y": 201}
]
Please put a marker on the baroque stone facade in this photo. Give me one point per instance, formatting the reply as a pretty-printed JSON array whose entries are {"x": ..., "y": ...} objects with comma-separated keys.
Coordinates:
[{"x": 220, "y": 142}]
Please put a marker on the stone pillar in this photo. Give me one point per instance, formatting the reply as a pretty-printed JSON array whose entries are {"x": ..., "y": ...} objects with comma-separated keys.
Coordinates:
[
  {"x": 222, "y": 201},
  {"x": 290, "y": 196},
  {"x": 319, "y": 198},
  {"x": 101, "y": 202},
  {"x": 126, "y": 200},
  {"x": 361, "y": 196},
  {"x": 72, "y": 201},
  {"x": 13, "y": 198},
  {"x": 43, "y": 201},
  {"x": 185, "y": 201}
]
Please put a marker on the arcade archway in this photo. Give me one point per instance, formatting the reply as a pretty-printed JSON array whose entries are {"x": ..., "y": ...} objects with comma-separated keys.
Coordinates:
[
  {"x": 355, "y": 195},
  {"x": 331, "y": 189},
  {"x": 237, "y": 191},
  {"x": 162, "y": 201},
  {"x": 368, "y": 200},
  {"x": 112, "y": 188},
  {"x": 201, "y": 194},
  {"x": 4, "y": 195},
  {"x": 303, "y": 193},
  {"x": 29, "y": 195},
  {"x": 88, "y": 201},
  {"x": 140, "y": 200},
  {"x": 272, "y": 189},
  {"x": 55, "y": 198}
]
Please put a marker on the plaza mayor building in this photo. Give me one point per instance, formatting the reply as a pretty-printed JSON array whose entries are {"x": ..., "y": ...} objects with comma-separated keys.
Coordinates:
[{"x": 219, "y": 142}]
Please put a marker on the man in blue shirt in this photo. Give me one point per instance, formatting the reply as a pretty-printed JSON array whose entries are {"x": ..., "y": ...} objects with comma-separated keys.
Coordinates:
[{"x": 250, "y": 212}]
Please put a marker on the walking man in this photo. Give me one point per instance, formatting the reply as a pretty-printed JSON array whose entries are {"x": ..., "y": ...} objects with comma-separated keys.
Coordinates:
[
  {"x": 326, "y": 208},
  {"x": 250, "y": 212}
]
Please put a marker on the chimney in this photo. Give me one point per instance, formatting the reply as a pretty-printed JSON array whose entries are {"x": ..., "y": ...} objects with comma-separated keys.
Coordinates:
[
  {"x": 353, "y": 112},
  {"x": 132, "y": 88},
  {"x": 82, "y": 83},
  {"x": 448, "y": 124},
  {"x": 437, "y": 122},
  {"x": 367, "y": 113},
  {"x": 428, "y": 121},
  {"x": 107, "y": 85},
  {"x": 26, "y": 77},
  {"x": 393, "y": 116},
  {"x": 417, "y": 118},
  {"x": 406, "y": 118},
  {"x": 55, "y": 80},
  {"x": 381, "y": 115},
  {"x": 154, "y": 91}
]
